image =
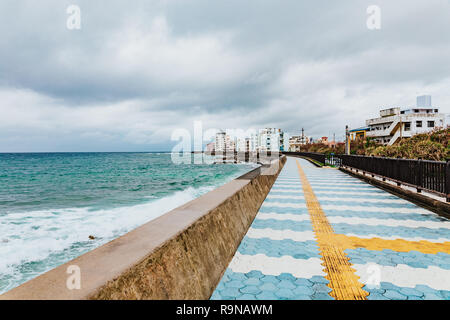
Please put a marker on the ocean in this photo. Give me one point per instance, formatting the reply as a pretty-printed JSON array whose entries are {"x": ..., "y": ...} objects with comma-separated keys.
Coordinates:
[{"x": 51, "y": 203}]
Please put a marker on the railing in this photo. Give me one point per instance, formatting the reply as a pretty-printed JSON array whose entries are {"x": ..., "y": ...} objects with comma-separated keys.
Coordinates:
[
  {"x": 326, "y": 159},
  {"x": 332, "y": 160},
  {"x": 319, "y": 157},
  {"x": 262, "y": 157},
  {"x": 431, "y": 176}
]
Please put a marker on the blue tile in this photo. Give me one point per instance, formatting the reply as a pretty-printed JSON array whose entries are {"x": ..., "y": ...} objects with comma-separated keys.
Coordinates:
[
  {"x": 268, "y": 286},
  {"x": 286, "y": 284},
  {"x": 376, "y": 296},
  {"x": 411, "y": 292},
  {"x": 445, "y": 294},
  {"x": 302, "y": 297},
  {"x": 284, "y": 293},
  {"x": 238, "y": 276},
  {"x": 417, "y": 265},
  {"x": 216, "y": 296},
  {"x": 221, "y": 285},
  {"x": 247, "y": 297},
  {"x": 303, "y": 290},
  {"x": 254, "y": 274},
  {"x": 234, "y": 284},
  {"x": 388, "y": 286},
  {"x": 271, "y": 279},
  {"x": 250, "y": 289},
  {"x": 374, "y": 289},
  {"x": 322, "y": 296},
  {"x": 319, "y": 279},
  {"x": 424, "y": 288},
  {"x": 303, "y": 282},
  {"x": 252, "y": 282},
  {"x": 321, "y": 288},
  {"x": 286, "y": 276},
  {"x": 230, "y": 293},
  {"x": 361, "y": 229},
  {"x": 266, "y": 295},
  {"x": 394, "y": 295},
  {"x": 433, "y": 296}
]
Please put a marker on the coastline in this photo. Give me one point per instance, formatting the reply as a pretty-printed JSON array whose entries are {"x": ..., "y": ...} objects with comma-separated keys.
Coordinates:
[
  {"x": 54, "y": 225},
  {"x": 179, "y": 255}
]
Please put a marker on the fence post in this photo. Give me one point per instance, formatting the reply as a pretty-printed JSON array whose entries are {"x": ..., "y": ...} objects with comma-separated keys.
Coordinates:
[
  {"x": 419, "y": 176},
  {"x": 447, "y": 180}
]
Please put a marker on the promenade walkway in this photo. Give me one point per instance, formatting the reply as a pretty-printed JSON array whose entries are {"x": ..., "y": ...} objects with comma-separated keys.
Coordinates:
[{"x": 322, "y": 234}]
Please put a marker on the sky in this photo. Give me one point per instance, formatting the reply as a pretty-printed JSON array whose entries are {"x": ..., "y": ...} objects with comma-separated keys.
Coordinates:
[{"x": 138, "y": 70}]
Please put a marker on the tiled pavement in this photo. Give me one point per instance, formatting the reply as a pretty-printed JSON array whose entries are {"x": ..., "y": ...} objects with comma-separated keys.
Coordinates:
[{"x": 359, "y": 243}]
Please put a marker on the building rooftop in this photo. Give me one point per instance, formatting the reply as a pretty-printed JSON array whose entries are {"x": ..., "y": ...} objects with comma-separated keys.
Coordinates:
[{"x": 359, "y": 129}]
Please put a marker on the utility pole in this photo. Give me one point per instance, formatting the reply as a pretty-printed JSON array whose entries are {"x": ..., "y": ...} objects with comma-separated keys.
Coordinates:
[
  {"x": 347, "y": 141},
  {"x": 334, "y": 140}
]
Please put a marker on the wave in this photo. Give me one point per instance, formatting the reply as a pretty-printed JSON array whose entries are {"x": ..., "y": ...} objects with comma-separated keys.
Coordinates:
[{"x": 63, "y": 234}]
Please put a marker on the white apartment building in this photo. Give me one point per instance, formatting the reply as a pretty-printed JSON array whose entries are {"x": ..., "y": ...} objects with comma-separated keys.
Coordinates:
[
  {"x": 223, "y": 142},
  {"x": 295, "y": 142},
  {"x": 220, "y": 142},
  {"x": 396, "y": 123},
  {"x": 269, "y": 139},
  {"x": 272, "y": 139},
  {"x": 243, "y": 145}
]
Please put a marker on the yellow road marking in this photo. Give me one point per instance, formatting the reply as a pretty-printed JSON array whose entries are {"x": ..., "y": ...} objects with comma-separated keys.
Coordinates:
[
  {"x": 343, "y": 281},
  {"x": 399, "y": 245}
]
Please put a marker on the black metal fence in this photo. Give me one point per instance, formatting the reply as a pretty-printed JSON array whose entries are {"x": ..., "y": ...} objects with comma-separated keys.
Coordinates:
[
  {"x": 319, "y": 157},
  {"x": 332, "y": 160},
  {"x": 432, "y": 176},
  {"x": 326, "y": 159}
]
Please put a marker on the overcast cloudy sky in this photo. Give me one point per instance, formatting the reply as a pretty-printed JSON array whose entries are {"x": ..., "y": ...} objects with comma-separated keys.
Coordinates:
[{"x": 137, "y": 70}]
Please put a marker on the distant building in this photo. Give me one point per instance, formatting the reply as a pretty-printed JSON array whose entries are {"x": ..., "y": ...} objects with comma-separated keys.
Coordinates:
[
  {"x": 223, "y": 142},
  {"x": 326, "y": 142},
  {"x": 295, "y": 142},
  {"x": 268, "y": 139},
  {"x": 253, "y": 143},
  {"x": 396, "y": 123},
  {"x": 210, "y": 147},
  {"x": 243, "y": 145},
  {"x": 272, "y": 139},
  {"x": 358, "y": 133}
]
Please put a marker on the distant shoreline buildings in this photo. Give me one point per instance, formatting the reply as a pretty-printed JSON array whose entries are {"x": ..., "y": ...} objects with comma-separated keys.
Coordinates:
[
  {"x": 267, "y": 139},
  {"x": 393, "y": 124}
]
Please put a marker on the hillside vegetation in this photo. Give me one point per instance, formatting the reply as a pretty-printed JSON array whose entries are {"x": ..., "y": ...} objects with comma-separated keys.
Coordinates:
[{"x": 428, "y": 146}]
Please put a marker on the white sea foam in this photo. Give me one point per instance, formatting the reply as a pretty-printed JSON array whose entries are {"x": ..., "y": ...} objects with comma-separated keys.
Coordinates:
[{"x": 34, "y": 236}]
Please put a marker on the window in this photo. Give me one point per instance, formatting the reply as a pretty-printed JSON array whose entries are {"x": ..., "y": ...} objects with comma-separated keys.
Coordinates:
[
  {"x": 430, "y": 124},
  {"x": 407, "y": 126},
  {"x": 419, "y": 124}
]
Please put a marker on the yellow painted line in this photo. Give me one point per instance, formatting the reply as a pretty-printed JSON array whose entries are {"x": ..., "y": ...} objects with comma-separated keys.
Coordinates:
[
  {"x": 343, "y": 281},
  {"x": 399, "y": 245}
]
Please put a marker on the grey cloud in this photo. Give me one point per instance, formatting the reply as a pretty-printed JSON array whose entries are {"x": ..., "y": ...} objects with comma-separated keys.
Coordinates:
[{"x": 231, "y": 63}]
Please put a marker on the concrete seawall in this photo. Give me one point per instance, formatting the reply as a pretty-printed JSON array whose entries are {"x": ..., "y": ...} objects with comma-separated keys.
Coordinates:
[{"x": 180, "y": 255}]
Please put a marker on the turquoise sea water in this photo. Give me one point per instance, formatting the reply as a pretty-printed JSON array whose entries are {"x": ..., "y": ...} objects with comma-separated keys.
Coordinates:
[{"x": 50, "y": 203}]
